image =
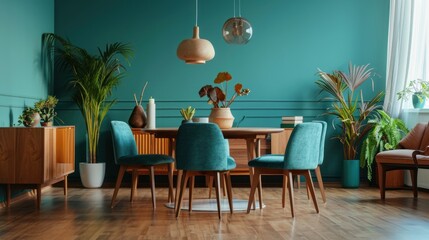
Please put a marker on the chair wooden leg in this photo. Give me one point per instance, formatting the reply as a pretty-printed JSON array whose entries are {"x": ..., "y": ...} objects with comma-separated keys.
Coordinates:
[
  {"x": 210, "y": 185},
  {"x": 178, "y": 185},
  {"x": 254, "y": 184},
  {"x": 152, "y": 186},
  {"x": 218, "y": 196},
  {"x": 413, "y": 173},
  {"x": 229, "y": 190},
  {"x": 382, "y": 180},
  {"x": 191, "y": 191},
  {"x": 260, "y": 192},
  {"x": 223, "y": 184},
  {"x": 118, "y": 184},
  {"x": 298, "y": 181},
  {"x": 320, "y": 182},
  {"x": 308, "y": 191},
  {"x": 290, "y": 188},
  {"x": 284, "y": 191},
  {"x": 183, "y": 182},
  {"x": 134, "y": 181},
  {"x": 170, "y": 183},
  {"x": 310, "y": 186}
]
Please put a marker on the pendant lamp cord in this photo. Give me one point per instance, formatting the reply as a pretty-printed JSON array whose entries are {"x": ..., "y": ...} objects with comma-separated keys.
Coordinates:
[
  {"x": 239, "y": 8},
  {"x": 234, "y": 8},
  {"x": 196, "y": 12}
]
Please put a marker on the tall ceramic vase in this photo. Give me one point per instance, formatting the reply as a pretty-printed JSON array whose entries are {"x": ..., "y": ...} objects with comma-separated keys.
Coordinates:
[
  {"x": 222, "y": 117},
  {"x": 138, "y": 118}
]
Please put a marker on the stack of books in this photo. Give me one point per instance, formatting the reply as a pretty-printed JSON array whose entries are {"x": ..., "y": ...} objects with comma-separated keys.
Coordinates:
[{"x": 291, "y": 122}]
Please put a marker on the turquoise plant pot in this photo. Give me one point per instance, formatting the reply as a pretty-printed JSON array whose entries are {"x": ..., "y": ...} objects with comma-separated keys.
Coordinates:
[
  {"x": 351, "y": 175},
  {"x": 418, "y": 102}
]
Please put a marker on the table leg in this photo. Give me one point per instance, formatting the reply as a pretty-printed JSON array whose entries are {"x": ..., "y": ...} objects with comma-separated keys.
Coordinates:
[{"x": 251, "y": 154}]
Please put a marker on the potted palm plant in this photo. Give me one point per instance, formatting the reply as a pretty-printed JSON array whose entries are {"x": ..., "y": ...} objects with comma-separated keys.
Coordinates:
[
  {"x": 92, "y": 78},
  {"x": 351, "y": 112}
]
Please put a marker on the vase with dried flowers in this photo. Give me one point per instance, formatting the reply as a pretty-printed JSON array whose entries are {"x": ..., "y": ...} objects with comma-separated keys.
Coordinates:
[
  {"x": 221, "y": 112},
  {"x": 138, "y": 118}
]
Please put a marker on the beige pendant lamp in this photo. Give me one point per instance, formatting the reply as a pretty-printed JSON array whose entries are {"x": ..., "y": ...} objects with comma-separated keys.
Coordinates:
[{"x": 195, "y": 50}]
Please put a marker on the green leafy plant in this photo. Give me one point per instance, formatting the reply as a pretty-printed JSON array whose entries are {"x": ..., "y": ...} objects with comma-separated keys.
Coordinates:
[
  {"x": 217, "y": 96},
  {"x": 385, "y": 134},
  {"x": 47, "y": 108},
  {"x": 187, "y": 113},
  {"x": 27, "y": 116},
  {"x": 351, "y": 111},
  {"x": 418, "y": 87},
  {"x": 92, "y": 77}
]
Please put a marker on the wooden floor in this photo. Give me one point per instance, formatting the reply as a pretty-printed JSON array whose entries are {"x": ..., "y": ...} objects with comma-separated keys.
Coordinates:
[{"x": 348, "y": 214}]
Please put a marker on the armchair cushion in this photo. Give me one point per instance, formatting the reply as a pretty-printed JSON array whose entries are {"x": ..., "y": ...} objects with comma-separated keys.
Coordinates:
[{"x": 414, "y": 137}]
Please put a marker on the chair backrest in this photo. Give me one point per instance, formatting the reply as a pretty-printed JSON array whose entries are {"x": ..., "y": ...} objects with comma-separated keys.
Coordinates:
[
  {"x": 123, "y": 140},
  {"x": 322, "y": 141},
  {"x": 304, "y": 146},
  {"x": 201, "y": 147}
]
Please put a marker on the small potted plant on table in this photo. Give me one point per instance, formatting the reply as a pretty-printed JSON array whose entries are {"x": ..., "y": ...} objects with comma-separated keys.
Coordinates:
[
  {"x": 187, "y": 114},
  {"x": 30, "y": 117},
  {"x": 221, "y": 113},
  {"x": 47, "y": 110},
  {"x": 418, "y": 89}
]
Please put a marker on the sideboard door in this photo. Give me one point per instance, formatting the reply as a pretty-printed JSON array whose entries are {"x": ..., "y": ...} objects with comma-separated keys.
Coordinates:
[{"x": 7, "y": 155}]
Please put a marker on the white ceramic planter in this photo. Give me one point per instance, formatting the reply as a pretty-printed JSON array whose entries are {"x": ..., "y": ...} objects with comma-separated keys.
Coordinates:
[{"x": 92, "y": 174}]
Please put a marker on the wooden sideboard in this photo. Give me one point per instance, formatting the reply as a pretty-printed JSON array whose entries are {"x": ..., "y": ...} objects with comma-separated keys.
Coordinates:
[{"x": 36, "y": 157}]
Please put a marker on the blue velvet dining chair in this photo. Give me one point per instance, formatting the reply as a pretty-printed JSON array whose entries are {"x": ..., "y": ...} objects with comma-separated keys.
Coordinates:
[
  {"x": 126, "y": 156},
  {"x": 316, "y": 171},
  {"x": 201, "y": 150},
  {"x": 302, "y": 155}
]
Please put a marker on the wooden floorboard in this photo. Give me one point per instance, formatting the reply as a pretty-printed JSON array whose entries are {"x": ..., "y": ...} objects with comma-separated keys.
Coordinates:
[{"x": 348, "y": 214}]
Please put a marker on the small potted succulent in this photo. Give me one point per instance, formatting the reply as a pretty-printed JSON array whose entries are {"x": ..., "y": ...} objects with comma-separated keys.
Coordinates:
[
  {"x": 418, "y": 89},
  {"x": 30, "y": 117},
  {"x": 187, "y": 114},
  {"x": 47, "y": 110}
]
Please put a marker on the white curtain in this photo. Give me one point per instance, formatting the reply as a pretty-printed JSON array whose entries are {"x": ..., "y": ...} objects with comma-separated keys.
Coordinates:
[{"x": 407, "y": 54}]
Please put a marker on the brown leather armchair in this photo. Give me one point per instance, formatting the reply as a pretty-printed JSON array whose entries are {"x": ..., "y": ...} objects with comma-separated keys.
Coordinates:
[{"x": 412, "y": 154}]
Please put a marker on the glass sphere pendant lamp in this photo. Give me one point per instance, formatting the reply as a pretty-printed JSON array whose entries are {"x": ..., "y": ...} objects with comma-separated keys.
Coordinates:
[
  {"x": 237, "y": 30},
  {"x": 195, "y": 50}
]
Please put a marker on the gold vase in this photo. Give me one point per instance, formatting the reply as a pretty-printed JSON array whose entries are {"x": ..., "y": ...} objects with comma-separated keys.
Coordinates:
[{"x": 222, "y": 117}]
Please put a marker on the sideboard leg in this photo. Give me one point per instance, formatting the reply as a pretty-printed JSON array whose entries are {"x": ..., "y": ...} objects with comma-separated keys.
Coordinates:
[
  {"x": 39, "y": 195},
  {"x": 8, "y": 193},
  {"x": 65, "y": 185}
]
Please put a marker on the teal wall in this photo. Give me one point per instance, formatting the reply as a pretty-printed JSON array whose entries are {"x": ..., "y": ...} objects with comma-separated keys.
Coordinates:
[
  {"x": 22, "y": 23},
  {"x": 292, "y": 38}
]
